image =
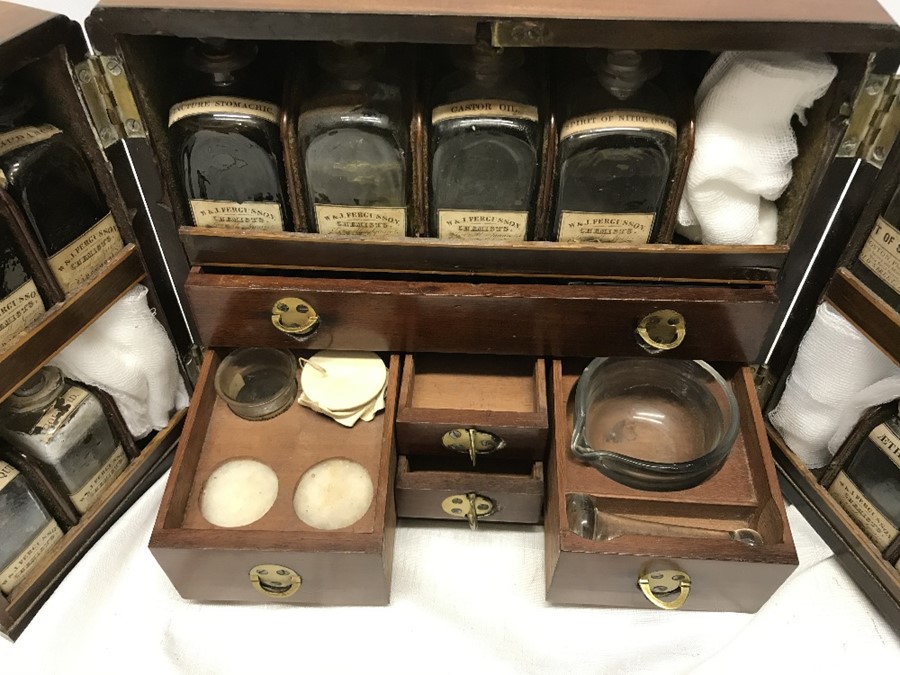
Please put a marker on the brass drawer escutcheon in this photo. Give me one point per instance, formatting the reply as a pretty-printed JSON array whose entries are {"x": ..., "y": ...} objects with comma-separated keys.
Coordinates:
[
  {"x": 295, "y": 317},
  {"x": 473, "y": 442},
  {"x": 665, "y": 582},
  {"x": 275, "y": 581},
  {"x": 661, "y": 331},
  {"x": 470, "y": 506}
]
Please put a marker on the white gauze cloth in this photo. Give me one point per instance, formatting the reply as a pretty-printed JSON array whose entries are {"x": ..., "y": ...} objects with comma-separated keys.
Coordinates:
[
  {"x": 837, "y": 374},
  {"x": 127, "y": 353},
  {"x": 744, "y": 143}
]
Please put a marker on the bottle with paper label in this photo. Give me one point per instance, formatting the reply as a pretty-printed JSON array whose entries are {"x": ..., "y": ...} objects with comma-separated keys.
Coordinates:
[
  {"x": 616, "y": 148},
  {"x": 27, "y": 530},
  {"x": 878, "y": 265},
  {"x": 63, "y": 426},
  {"x": 51, "y": 180},
  {"x": 21, "y": 303},
  {"x": 354, "y": 143},
  {"x": 226, "y": 140},
  {"x": 485, "y": 147}
]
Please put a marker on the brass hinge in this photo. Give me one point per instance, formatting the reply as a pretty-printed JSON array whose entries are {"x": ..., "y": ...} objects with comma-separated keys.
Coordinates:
[
  {"x": 765, "y": 383},
  {"x": 191, "y": 361},
  {"x": 874, "y": 120},
  {"x": 109, "y": 100}
]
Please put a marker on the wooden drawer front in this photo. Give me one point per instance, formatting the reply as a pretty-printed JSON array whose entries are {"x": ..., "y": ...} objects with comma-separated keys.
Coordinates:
[
  {"x": 516, "y": 498},
  {"x": 463, "y": 405},
  {"x": 722, "y": 324}
]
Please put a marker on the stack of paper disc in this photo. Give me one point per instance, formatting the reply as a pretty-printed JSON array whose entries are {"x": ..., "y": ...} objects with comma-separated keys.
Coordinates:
[{"x": 346, "y": 386}]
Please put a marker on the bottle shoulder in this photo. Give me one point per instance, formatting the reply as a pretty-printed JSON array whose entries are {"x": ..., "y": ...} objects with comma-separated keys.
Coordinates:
[{"x": 587, "y": 96}]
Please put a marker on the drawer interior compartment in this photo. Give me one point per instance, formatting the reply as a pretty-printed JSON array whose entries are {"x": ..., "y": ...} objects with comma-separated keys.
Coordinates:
[
  {"x": 639, "y": 531},
  {"x": 510, "y": 492},
  {"x": 501, "y": 400},
  {"x": 209, "y": 562}
]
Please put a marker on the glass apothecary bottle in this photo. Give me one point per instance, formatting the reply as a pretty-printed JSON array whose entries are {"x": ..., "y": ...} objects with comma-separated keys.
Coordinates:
[
  {"x": 867, "y": 482},
  {"x": 354, "y": 143},
  {"x": 63, "y": 426},
  {"x": 21, "y": 304},
  {"x": 485, "y": 148},
  {"x": 226, "y": 140},
  {"x": 52, "y": 182},
  {"x": 878, "y": 265},
  {"x": 616, "y": 149},
  {"x": 27, "y": 530}
]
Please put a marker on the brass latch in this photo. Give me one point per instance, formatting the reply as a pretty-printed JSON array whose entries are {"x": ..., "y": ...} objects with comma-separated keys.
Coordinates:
[
  {"x": 470, "y": 506},
  {"x": 656, "y": 585},
  {"x": 294, "y": 316},
  {"x": 275, "y": 581},
  {"x": 472, "y": 442},
  {"x": 661, "y": 331}
]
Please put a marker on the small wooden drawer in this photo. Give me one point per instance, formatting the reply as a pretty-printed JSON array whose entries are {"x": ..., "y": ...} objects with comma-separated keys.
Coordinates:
[
  {"x": 347, "y": 566},
  {"x": 717, "y": 323},
  {"x": 710, "y": 574},
  {"x": 473, "y": 408},
  {"x": 506, "y": 493}
]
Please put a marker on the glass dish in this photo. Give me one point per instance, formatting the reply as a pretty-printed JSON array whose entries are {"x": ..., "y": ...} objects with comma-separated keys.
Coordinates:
[
  {"x": 257, "y": 383},
  {"x": 654, "y": 424}
]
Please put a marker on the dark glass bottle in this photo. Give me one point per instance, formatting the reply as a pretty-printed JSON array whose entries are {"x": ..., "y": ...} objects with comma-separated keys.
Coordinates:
[
  {"x": 616, "y": 148},
  {"x": 27, "y": 530},
  {"x": 226, "y": 140},
  {"x": 354, "y": 144},
  {"x": 485, "y": 148},
  {"x": 878, "y": 265},
  {"x": 21, "y": 303},
  {"x": 52, "y": 182},
  {"x": 867, "y": 486}
]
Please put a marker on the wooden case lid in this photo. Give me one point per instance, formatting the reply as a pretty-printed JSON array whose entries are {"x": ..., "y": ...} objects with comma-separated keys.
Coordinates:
[{"x": 26, "y": 32}]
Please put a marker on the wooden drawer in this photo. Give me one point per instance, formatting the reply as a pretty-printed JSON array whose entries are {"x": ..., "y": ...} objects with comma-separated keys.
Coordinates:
[
  {"x": 722, "y": 323},
  {"x": 724, "y": 575},
  {"x": 513, "y": 493},
  {"x": 347, "y": 566},
  {"x": 473, "y": 408}
]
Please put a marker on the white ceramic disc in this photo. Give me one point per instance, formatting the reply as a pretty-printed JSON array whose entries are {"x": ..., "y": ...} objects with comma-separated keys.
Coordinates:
[
  {"x": 342, "y": 381},
  {"x": 238, "y": 493},
  {"x": 333, "y": 494}
]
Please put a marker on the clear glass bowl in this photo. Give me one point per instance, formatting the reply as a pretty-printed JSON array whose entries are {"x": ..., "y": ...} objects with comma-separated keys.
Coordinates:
[
  {"x": 257, "y": 383},
  {"x": 654, "y": 424}
]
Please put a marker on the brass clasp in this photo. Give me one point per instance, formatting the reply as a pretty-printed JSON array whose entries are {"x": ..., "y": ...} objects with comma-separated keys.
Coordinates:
[
  {"x": 472, "y": 442},
  {"x": 470, "y": 506},
  {"x": 275, "y": 581},
  {"x": 295, "y": 317},
  {"x": 661, "y": 331}
]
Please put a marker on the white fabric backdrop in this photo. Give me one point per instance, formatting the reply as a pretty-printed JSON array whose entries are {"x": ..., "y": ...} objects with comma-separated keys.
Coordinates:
[{"x": 462, "y": 601}]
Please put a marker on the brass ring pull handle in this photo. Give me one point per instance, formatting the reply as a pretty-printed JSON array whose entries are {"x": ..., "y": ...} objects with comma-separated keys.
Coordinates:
[
  {"x": 275, "y": 581},
  {"x": 661, "y": 331},
  {"x": 295, "y": 317},
  {"x": 470, "y": 506},
  {"x": 473, "y": 442},
  {"x": 665, "y": 582}
]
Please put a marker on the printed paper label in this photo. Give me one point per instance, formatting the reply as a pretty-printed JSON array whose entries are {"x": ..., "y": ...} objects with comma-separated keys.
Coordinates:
[
  {"x": 19, "y": 310},
  {"x": 19, "y": 138},
  {"x": 484, "y": 108},
  {"x": 224, "y": 104},
  {"x": 18, "y": 568},
  {"x": 372, "y": 222},
  {"x": 7, "y": 473},
  {"x": 881, "y": 254},
  {"x": 872, "y": 521},
  {"x": 78, "y": 261},
  {"x": 63, "y": 409},
  {"x": 90, "y": 491},
  {"x": 624, "y": 228},
  {"x": 237, "y": 215},
  {"x": 618, "y": 119},
  {"x": 885, "y": 439},
  {"x": 492, "y": 225}
]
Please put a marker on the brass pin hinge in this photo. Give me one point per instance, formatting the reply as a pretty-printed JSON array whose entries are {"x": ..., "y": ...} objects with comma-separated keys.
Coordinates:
[
  {"x": 765, "y": 383},
  {"x": 874, "y": 120},
  {"x": 192, "y": 360},
  {"x": 108, "y": 98}
]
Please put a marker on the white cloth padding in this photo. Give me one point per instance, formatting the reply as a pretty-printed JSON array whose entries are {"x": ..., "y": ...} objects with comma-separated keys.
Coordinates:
[
  {"x": 832, "y": 376},
  {"x": 744, "y": 144},
  {"x": 126, "y": 353}
]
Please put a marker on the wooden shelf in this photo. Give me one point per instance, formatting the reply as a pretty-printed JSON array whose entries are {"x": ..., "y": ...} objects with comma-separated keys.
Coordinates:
[
  {"x": 865, "y": 310},
  {"x": 65, "y": 321}
]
